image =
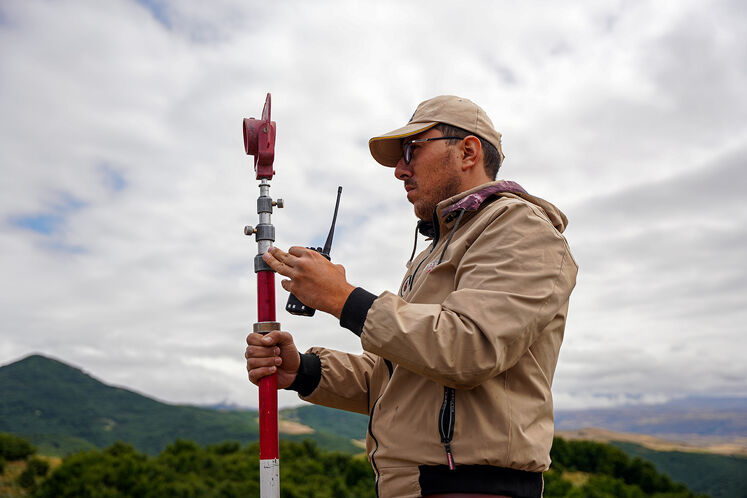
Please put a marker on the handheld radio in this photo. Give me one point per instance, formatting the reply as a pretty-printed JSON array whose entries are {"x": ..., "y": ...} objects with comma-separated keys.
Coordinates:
[{"x": 294, "y": 306}]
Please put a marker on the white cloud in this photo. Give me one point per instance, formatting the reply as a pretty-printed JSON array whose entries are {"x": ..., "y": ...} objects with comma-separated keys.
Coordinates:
[{"x": 628, "y": 116}]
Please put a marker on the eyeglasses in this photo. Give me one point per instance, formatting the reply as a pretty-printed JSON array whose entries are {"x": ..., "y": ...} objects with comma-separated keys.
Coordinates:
[{"x": 407, "y": 152}]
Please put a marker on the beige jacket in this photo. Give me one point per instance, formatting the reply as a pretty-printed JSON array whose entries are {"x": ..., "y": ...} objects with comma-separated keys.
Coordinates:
[{"x": 457, "y": 367}]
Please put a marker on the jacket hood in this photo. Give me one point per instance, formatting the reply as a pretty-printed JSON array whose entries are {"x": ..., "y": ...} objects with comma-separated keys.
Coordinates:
[{"x": 473, "y": 199}]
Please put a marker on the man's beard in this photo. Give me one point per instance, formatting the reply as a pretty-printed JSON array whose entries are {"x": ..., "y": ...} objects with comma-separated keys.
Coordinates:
[{"x": 449, "y": 185}]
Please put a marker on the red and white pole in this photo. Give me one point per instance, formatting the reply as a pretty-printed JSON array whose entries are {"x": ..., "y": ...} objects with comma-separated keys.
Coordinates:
[
  {"x": 269, "y": 451},
  {"x": 259, "y": 141}
]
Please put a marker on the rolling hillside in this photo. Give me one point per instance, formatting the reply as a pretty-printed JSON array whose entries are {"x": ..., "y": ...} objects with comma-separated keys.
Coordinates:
[
  {"x": 62, "y": 409},
  {"x": 718, "y": 476}
]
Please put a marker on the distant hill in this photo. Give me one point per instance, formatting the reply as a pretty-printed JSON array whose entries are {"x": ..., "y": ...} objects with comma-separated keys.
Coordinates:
[
  {"x": 327, "y": 420},
  {"x": 713, "y": 417},
  {"x": 732, "y": 446},
  {"x": 62, "y": 409}
]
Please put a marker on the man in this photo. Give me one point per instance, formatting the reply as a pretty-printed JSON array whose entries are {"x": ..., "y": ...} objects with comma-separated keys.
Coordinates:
[{"x": 457, "y": 367}]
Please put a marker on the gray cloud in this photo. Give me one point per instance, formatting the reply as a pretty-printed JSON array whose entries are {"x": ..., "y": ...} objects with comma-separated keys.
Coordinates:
[{"x": 125, "y": 188}]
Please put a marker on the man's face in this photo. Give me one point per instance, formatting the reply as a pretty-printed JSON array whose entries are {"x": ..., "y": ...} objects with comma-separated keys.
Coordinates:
[{"x": 431, "y": 176}]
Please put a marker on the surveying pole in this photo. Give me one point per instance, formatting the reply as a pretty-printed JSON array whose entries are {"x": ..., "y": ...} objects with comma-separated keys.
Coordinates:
[{"x": 259, "y": 141}]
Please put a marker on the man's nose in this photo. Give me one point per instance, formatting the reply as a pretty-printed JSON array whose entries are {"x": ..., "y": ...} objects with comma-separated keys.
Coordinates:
[{"x": 402, "y": 171}]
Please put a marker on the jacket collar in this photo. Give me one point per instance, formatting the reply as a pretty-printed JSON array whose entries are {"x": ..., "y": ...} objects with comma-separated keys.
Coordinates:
[
  {"x": 472, "y": 199},
  {"x": 469, "y": 200}
]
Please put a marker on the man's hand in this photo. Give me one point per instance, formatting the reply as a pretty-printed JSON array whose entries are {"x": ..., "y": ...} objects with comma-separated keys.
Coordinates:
[
  {"x": 313, "y": 279},
  {"x": 271, "y": 352}
]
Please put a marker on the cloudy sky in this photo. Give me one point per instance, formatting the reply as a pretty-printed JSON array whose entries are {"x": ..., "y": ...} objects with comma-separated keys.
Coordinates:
[{"x": 125, "y": 187}]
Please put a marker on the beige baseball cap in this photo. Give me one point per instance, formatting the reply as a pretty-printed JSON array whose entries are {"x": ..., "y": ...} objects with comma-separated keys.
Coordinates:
[{"x": 448, "y": 109}]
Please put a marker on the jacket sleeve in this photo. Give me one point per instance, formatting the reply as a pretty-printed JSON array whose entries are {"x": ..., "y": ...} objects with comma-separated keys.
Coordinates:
[
  {"x": 514, "y": 278},
  {"x": 345, "y": 380}
]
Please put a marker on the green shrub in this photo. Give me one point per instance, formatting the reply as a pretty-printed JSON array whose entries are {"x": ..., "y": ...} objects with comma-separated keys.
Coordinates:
[
  {"x": 15, "y": 448},
  {"x": 225, "y": 448},
  {"x": 38, "y": 467},
  {"x": 555, "y": 485},
  {"x": 613, "y": 473},
  {"x": 27, "y": 480},
  {"x": 185, "y": 469}
]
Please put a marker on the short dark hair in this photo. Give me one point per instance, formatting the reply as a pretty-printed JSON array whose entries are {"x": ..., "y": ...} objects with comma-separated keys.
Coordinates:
[{"x": 491, "y": 158}]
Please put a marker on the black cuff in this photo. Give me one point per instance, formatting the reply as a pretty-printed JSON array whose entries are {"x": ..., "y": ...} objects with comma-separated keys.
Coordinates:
[
  {"x": 308, "y": 376},
  {"x": 354, "y": 312}
]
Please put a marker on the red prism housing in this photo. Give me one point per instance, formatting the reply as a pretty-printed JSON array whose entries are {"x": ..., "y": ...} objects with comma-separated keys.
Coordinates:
[{"x": 259, "y": 141}]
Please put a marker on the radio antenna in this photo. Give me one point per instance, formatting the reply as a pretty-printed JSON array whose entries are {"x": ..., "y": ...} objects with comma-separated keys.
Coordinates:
[
  {"x": 294, "y": 306},
  {"x": 328, "y": 245}
]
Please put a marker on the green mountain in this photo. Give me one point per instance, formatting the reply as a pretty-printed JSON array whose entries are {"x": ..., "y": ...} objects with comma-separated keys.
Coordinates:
[
  {"x": 330, "y": 421},
  {"x": 62, "y": 409}
]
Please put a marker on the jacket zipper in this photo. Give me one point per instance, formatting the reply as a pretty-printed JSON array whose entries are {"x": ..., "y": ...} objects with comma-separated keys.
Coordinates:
[
  {"x": 376, "y": 443},
  {"x": 446, "y": 424},
  {"x": 433, "y": 246}
]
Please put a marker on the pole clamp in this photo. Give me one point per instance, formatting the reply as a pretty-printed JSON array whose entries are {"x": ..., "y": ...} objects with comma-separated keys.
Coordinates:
[
  {"x": 265, "y": 327},
  {"x": 265, "y": 231},
  {"x": 260, "y": 264},
  {"x": 264, "y": 205}
]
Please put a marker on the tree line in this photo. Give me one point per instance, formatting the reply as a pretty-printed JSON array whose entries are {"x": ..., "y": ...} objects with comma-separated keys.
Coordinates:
[{"x": 580, "y": 469}]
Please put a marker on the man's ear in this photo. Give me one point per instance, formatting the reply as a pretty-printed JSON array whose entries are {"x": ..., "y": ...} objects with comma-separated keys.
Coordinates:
[{"x": 471, "y": 151}]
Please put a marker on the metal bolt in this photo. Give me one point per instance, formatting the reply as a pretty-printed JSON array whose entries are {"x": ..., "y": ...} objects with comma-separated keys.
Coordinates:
[
  {"x": 249, "y": 230},
  {"x": 278, "y": 203}
]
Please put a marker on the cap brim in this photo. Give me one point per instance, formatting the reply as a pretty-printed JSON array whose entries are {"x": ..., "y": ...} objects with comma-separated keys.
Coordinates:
[{"x": 387, "y": 149}]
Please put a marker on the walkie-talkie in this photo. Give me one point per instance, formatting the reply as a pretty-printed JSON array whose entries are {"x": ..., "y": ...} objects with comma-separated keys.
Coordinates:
[{"x": 294, "y": 306}]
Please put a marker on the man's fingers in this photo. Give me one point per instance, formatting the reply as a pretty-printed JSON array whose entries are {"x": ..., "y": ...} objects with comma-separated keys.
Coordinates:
[
  {"x": 257, "y": 373},
  {"x": 263, "y": 360},
  {"x": 255, "y": 339},
  {"x": 280, "y": 261},
  {"x": 261, "y": 352},
  {"x": 259, "y": 340},
  {"x": 254, "y": 363},
  {"x": 277, "y": 253},
  {"x": 289, "y": 258},
  {"x": 298, "y": 251},
  {"x": 276, "y": 264},
  {"x": 278, "y": 337},
  {"x": 267, "y": 354},
  {"x": 269, "y": 339}
]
